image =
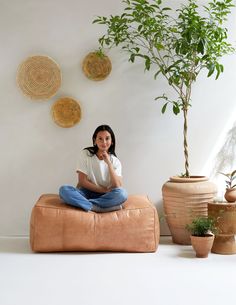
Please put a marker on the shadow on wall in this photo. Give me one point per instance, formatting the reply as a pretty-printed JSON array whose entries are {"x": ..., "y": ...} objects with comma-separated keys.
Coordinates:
[
  {"x": 164, "y": 229},
  {"x": 226, "y": 156}
]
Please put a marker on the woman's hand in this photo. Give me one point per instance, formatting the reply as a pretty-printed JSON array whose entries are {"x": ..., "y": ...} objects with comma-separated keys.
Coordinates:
[
  {"x": 106, "y": 157},
  {"x": 104, "y": 189},
  {"x": 115, "y": 180},
  {"x": 84, "y": 182}
]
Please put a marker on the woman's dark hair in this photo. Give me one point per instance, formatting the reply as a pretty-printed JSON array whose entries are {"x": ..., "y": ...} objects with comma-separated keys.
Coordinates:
[{"x": 94, "y": 149}]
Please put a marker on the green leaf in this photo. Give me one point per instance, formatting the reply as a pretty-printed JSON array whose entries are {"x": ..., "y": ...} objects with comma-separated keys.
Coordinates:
[
  {"x": 132, "y": 57},
  {"x": 96, "y": 20},
  {"x": 147, "y": 63},
  {"x": 211, "y": 70},
  {"x": 166, "y": 9},
  {"x": 159, "y": 46},
  {"x": 218, "y": 71},
  {"x": 162, "y": 97},
  {"x": 200, "y": 47},
  {"x": 140, "y": 27},
  {"x": 226, "y": 175},
  {"x": 163, "y": 109},
  {"x": 176, "y": 109},
  {"x": 156, "y": 74}
]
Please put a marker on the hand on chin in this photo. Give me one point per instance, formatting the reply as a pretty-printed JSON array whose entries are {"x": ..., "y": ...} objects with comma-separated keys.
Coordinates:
[{"x": 104, "y": 155}]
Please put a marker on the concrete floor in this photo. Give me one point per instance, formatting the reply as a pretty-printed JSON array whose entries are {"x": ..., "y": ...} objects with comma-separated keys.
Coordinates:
[{"x": 172, "y": 275}]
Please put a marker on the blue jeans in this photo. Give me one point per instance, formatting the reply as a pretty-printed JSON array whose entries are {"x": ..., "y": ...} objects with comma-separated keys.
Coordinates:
[{"x": 85, "y": 199}]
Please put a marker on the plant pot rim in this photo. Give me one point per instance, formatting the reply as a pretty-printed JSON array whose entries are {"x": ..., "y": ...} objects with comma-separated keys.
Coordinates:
[
  {"x": 190, "y": 179},
  {"x": 222, "y": 204},
  {"x": 203, "y": 236}
]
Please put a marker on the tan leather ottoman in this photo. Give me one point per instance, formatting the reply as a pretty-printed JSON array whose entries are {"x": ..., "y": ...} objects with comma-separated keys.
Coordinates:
[{"x": 55, "y": 226}]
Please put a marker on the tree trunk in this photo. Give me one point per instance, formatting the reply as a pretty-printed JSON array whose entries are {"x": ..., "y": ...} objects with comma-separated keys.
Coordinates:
[{"x": 185, "y": 111}]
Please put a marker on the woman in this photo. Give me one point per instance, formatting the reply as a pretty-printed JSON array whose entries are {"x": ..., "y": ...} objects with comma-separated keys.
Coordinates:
[{"x": 100, "y": 179}]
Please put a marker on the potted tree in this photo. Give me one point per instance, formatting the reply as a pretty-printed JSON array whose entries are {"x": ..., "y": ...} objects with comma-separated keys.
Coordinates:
[
  {"x": 202, "y": 235},
  {"x": 178, "y": 45}
]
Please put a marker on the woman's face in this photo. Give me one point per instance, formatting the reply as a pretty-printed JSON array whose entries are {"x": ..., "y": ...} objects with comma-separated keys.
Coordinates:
[{"x": 103, "y": 140}]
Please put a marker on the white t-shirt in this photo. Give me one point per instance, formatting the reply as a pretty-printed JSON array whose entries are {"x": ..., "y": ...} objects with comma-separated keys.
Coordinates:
[{"x": 97, "y": 170}]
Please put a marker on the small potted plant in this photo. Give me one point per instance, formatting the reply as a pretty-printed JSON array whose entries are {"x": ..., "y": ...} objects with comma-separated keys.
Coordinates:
[
  {"x": 202, "y": 229},
  {"x": 230, "y": 193}
]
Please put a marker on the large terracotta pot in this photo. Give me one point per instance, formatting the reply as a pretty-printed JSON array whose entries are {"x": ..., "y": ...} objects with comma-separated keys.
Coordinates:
[
  {"x": 225, "y": 216},
  {"x": 185, "y": 199},
  {"x": 202, "y": 245}
]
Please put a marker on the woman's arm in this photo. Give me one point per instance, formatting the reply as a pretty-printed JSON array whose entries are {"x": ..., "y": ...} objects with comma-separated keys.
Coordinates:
[
  {"x": 84, "y": 182},
  {"x": 116, "y": 181}
]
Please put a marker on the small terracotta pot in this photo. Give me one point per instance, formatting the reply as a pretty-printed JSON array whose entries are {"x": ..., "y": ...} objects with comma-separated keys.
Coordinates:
[
  {"x": 230, "y": 195},
  {"x": 202, "y": 244}
]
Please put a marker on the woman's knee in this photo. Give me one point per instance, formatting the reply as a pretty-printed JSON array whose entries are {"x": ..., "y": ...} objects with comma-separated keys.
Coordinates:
[
  {"x": 64, "y": 189},
  {"x": 122, "y": 193}
]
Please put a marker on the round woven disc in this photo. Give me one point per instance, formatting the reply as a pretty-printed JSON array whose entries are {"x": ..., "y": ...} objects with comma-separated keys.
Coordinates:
[
  {"x": 39, "y": 77},
  {"x": 96, "y": 66},
  {"x": 66, "y": 112}
]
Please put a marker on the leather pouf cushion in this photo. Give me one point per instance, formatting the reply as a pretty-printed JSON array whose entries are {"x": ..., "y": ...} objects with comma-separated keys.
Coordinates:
[{"x": 55, "y": 226}]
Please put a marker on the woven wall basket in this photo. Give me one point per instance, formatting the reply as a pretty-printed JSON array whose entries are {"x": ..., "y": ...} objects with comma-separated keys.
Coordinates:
[
  {"x": 96, "y": 66},
  {"x": 66, "y": 112},
  {"x": 39, "y": 77}
]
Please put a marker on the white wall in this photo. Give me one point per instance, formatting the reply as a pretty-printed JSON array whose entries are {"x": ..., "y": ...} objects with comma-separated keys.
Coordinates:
[{"x": 37, "y": 156}]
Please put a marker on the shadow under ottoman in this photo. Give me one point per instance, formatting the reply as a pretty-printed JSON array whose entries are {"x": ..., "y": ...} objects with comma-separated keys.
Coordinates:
[{"x": 55, "y": 226}]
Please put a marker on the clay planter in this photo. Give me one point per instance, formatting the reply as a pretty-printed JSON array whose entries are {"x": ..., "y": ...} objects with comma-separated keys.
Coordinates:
[
  {"x": 225, "y": 215},
  {"x": 183, "y": 200},
  {"x": 202, "y": 244},
  {"x": 230, "y": 195}
]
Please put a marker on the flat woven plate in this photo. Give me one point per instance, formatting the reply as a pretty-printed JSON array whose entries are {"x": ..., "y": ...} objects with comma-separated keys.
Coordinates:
[
  {"x": 39, "y": 77},
  {"x": 66, "y": 112},
  {"x": 96, "y": 66}
]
